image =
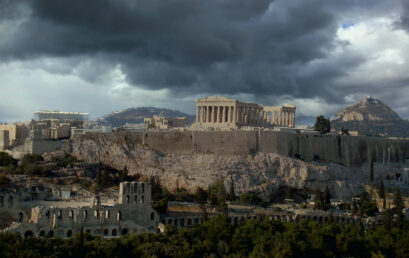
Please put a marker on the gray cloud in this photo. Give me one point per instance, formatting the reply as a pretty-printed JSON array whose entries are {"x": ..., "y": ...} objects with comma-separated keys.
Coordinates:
[{"x": 264, "y": 48}]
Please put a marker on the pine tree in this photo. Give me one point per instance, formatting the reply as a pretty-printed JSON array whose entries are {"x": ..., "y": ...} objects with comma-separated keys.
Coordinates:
[
  {"x": 318, "y": 203},
  {"x": 381, "y": 189},
  {"x": 327, "y": 196},
  {"x": 232, "y": 195},
  {"x": 398, "y": 200},
  {"x": 371, "y": 172},
  {"x": 384, "y": 203}
]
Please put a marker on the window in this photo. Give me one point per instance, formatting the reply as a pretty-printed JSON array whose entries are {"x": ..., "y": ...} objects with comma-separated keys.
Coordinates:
[
  {"x": 85, "y": 214},
  {"x": 118, "y": 216},
  {"x": 107, "y": 214},
  {"x": 127, "y": 199},
  {"x": 96, "y": 214},
  {"x": 71, "y": 214},
  {"x": 143, "y": 188},
  {"x": 59, "y": 214},
  {"x": 135, "y": 199},
  {"x": 142, "y": 199},
  {"x": 10, "y": 201},
  {"x": 152, "y": 216}
]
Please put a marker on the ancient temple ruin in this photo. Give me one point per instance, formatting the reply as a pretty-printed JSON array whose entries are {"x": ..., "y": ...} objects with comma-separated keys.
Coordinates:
[
  {"x": 132, "y": 212},
  {"x": 216, "y": 111}
]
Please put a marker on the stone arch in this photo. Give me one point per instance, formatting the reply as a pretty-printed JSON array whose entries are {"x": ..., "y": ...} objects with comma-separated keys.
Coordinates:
[
  {"x": 114, "y": 232},
  {"x": 28, "y": 233},
  {"x": 69, "y": 233},
  {"x": 124, "y": 231},
  {"x": 51, "y": 233},
  {"x": 106, "y": 232}
]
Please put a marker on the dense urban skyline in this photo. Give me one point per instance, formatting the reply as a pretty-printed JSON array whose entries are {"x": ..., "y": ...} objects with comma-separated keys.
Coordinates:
[{"x": 101, "y": 56}]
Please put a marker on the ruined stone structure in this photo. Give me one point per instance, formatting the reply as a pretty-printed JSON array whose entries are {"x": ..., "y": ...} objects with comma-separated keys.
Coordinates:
[
  {"x": 62, "y": 116},
  {"x": 4, "y": 140},
  {"x": 160, "y": 122},
  {"x": 17, "y": 132},
  {"x": 216, "y": 111},
  {"x": 131, "y": 213}
]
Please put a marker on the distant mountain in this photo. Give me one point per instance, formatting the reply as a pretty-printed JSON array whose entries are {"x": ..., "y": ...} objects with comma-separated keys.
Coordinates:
[
  {"x": 371, "y": 117},
  {"x": 136, "y": 115}
]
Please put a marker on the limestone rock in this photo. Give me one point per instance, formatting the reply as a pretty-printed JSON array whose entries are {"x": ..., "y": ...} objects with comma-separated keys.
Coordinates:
[{"x": 264, "y": 172}]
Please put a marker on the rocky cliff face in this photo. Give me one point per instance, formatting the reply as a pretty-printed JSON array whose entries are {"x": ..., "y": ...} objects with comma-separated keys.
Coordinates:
[
  {"x": 263, "y": 172},
  {"x": 371, "y": 117}
]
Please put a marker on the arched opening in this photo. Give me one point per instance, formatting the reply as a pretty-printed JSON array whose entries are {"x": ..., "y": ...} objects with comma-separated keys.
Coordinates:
[
  {"x": 28, "y": 233},
  {"x": 189, "y": 222},
  {"x": 118, "y": 215},
  {"x": 114, "y": 232},
  {"x": 142, "y": 199},
  {"x": 51, "y": 233},
  {"x": 107, "y": 214},
  {"x": 59, "y": 214},
  {"x": 42, "y": 233},
  {"x": 20, "y": 217},
  {"x": 197, "y": 221},
  {"x": 124, "y": 231},
  {"x": 152, "y": 216},
  {"x": 69, "y": 233},
  {"x": 105, "y": 232},
  {"x": 135, "y": 199},
  {"x": 182, "y": 222},
  {"x": 71, "y": 214},
  {"x": 128, "y": 199}
]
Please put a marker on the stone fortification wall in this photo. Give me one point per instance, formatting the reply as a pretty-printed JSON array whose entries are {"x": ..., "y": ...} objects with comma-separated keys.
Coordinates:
[
  {"x": 345, "y": 150},
  {"x": 40, "y": 146},
  {"x": 232, "y": 142}
]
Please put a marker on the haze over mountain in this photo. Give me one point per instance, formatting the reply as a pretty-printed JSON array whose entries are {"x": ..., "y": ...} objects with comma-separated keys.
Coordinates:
[
  {"x": 136, "y": 115},
  {"x": 371, "y": 117}
]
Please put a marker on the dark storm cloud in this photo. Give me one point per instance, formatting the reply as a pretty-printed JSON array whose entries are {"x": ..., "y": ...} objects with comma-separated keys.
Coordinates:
[{"x": 263, "y": 47}]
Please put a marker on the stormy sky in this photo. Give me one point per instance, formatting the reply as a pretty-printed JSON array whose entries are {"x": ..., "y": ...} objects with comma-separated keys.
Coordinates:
[{"x": 100, "y": 56}]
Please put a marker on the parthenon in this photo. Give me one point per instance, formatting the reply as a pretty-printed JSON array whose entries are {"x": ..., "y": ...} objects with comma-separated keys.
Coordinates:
[{"x": 217, "y": 111}]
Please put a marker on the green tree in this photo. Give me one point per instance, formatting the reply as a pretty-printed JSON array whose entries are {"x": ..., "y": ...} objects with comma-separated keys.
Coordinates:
[
  {"x": 6, "y": 159},
  {"x": 398, "y": 200},
  {"x": 381, "y": 189},
  {"x": 200, "y": 196},
  {"x": 327, "y": 197},
  {"x": 322, "y": 125},
  {"x": 232, "y": 195},
  {"x": 319, "y": 200}
]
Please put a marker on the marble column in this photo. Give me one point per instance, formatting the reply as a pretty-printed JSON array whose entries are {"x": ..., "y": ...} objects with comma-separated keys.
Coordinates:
[
  {"x": 197, "y": 114},
  {"x": 209, "y": 113}
]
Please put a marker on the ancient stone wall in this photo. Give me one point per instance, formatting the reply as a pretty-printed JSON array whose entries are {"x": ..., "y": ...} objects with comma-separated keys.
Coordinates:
[{"x": 344, "y": 150}]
